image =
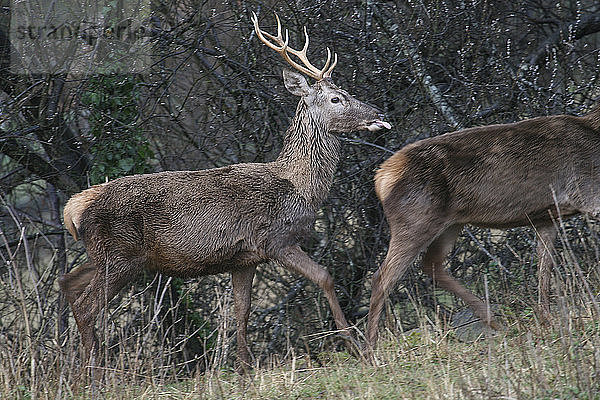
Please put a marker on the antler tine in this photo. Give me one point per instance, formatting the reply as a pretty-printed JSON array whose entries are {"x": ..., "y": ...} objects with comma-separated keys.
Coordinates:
[
  {"x": 261, "y": 34},
  {"x": 283, "y": 49},
  {"x": 326, "y": 63},
  {"x": 327, "y": 73},
  {"x": 281, "y": 46}
]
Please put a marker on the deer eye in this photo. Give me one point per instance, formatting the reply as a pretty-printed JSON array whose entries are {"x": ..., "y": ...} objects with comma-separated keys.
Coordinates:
[{"x": 335, "y": 100}]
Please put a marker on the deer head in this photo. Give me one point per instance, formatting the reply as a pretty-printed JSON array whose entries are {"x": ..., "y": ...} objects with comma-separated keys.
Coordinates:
[{"x": 337, "y": 108}]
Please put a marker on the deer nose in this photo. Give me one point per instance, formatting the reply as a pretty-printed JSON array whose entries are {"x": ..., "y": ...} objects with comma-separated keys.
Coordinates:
[{"x": 379, "y": 114}]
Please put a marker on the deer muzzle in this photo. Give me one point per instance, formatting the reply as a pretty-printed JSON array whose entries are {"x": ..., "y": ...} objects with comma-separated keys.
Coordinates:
[{"x": 378, "y": 124}]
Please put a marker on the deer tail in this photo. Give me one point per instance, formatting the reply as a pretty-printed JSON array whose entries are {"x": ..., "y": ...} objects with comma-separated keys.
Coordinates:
[
  {"x": 389, "y": 173},
  {"x": 76, "y": 205}
]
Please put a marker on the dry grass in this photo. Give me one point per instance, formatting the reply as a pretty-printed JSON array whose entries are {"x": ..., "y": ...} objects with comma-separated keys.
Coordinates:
[{"x": 526, "y": 361}]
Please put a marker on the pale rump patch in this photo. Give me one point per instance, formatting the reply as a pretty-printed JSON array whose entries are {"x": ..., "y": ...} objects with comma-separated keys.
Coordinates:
[
  {"x": 389, "y": 172},
  {"x": 77, "y": 205}
]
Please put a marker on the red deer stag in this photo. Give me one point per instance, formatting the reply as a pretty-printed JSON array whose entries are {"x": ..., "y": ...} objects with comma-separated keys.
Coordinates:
[
  {"x": 230, "y": 219},
  {"x": 497, "y": 176}
]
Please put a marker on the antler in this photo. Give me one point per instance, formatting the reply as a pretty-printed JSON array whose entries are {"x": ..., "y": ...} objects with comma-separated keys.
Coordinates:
[{"x": 281, "y": 46}]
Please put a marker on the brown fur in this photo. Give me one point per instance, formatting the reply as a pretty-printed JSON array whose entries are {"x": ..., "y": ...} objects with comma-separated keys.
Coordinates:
[
  {"x": 77, "y": 205},
  {"x": 389, "y": 173},
  {"x": 498, "y": 176},
  {"x": 75, "y": 282},
  {"x": 230, "y": 219}
]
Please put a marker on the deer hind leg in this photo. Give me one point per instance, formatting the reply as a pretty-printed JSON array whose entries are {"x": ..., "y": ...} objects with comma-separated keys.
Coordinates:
[
  {"x": 433, "y": 261},
  {"x": 73, "y": 283},
  {"x": 545, "y": 252},
  {"x": 104, "y": 285},
  {"x": 242, "y": 293},
  {"x": 294, "y": 259},
  {"x": 401, "y": 253}
]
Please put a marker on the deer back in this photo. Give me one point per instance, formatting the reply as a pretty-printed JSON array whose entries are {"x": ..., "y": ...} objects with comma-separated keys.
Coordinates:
[{"x": 497, "y": 175}]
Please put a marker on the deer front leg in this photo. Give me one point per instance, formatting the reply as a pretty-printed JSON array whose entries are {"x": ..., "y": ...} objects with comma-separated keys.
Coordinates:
[
  {"x": 242, "y": 294},
  {"x": 294, "y": 259}
]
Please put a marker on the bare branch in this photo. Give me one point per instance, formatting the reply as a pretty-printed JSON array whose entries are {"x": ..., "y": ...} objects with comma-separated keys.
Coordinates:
[{"x": 587, "y": 25}]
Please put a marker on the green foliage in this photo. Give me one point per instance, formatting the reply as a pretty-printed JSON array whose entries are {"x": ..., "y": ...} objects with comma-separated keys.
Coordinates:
[
  {"x": 22, "y": 392},
  {"x": 119, "y": 146}
]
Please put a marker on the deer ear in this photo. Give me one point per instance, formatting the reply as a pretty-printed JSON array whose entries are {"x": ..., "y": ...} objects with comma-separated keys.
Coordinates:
[{"x": 295, "y": 83}]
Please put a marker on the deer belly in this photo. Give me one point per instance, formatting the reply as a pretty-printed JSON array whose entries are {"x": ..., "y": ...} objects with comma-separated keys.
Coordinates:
[
  {"x": 188, "y": 267},
  {"x": 513, "y": 214}
]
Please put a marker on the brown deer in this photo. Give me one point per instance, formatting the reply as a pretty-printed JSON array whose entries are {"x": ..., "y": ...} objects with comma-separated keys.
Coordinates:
[
  {"x": 230, "y": 219},
  {"x": 497, "y": 176}
]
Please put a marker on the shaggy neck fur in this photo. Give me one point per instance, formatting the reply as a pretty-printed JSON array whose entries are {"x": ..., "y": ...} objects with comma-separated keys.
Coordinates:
[{"x": 310, "y": 155}]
